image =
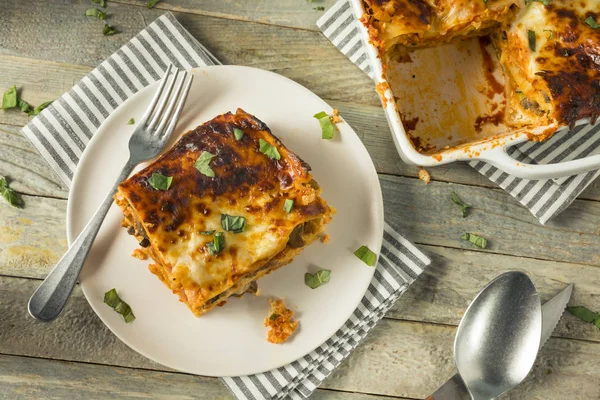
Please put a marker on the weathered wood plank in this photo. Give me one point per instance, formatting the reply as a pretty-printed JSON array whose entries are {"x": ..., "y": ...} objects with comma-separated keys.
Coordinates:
[
  {"x": 22, "y": 164},
  {"x": 455, "y": 277},
  {"x": 305, "y": 56},
  {"x": 398, "y": 358},
  {"x": 33, "y": 378},
  {"x": 368, "y": 121},
  {"x": 290, "y": 13}
]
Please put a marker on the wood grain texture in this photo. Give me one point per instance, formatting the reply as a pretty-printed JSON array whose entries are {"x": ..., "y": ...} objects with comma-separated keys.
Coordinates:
[
  {"x": 26, "y": 378},
  {"x": 289, "y": 13},
  {"x": 398, "y": 358},
  {"x": 304, "y": 56}
]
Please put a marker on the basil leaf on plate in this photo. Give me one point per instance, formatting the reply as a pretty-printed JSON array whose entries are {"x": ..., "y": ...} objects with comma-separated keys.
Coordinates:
[
  {"x": 13, "y": 198},
  {"x": 321, "y": 277},
  {"x": 464, "y": 206},
  {"x": 476, "y": 240},
  {"x": 131, "y": 122},
  {"x": 366, "y": 255},
  {"x": 112, "y": 299},
  {"x": 232, "y": 223},
  {"x": 269, "y": 150},
  {"x": 202, "y": 164},
  {"x": 238, "y": 133},
  {"x": 9, "y": 98},
  {"x": 94, "y": 12},
  {"x": 326, "y": 125},
  {"x": 288, "y": 205},
  {"x": 160, "y": 182},
  {"x": 217, "y": 245},
  {"x": 585, "y": 314}
]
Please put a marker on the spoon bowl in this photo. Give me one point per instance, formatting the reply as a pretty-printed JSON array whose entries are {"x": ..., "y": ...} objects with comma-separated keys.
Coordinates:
[{"x": 499, "y": 336}]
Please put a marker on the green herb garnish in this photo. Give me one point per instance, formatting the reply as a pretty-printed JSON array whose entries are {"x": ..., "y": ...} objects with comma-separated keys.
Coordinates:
[
  {"x": 13, "y": 198},
  {"x": 160, "y": 182},
  {"x": 592, "y": 22},
  {"x": 464, "y": 206},
  {"x": 268, "y": 149},
  {"x": 476, "y": 240},
  {"x": 586, "y": 315},
  {"x": 94, "y": 12},
  {"x": 202, "y": 164},
  {"x": 207, "y": 233},
  {"x": 238, "y": 133},
  {"x": 131, "y": 121},
  {"x": 151, "y": 3},
  {"x": 326, "y": 125},
  {"x": 217, "y": 245},
  {"x": 39, "y": 108},
  {"x": 9, "y": 99},
  {"x": 288, "y": 205},
  {"x": 319, "y": 8},
  {"x": 366, "y": 255},
  {"x": 232, "y": 223},
  {"x": 531, "y": 39},
  {"x": 109, "y": 30},
  {"x": 102, "y": 3},
  {"x": 113, "y": 300},
  {"x": 319, "y": 278},
  {"x": 274, "y": 316}
]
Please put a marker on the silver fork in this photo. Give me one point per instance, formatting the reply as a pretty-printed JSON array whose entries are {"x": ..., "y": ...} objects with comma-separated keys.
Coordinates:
[{"x": 147, "y": 141}]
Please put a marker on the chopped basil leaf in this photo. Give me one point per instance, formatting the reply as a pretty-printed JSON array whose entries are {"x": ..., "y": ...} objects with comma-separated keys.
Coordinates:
[
  {"x": 531, "y": 39},
  {"x": 585, "y": 314},
  {"x": 464, "y": 206},
  {"x": 269, "y": 150},
  {"x": 274, "y": 316},
  {"x": 94, "y": 12},
  {"x": 319, "y": 278},
  {"x": 113, "y": 300},
  {"x": 476, "y": 240},
  {"x": 131, "y": 121},
  {"x": 592, "y": 22},
  {"x": 207, "y": 233},
  {"x": 366, "y": 255},
  {"x": 288, "y": 205},
  {"x": 160, "y": 182},
  {"x": 238, "y": 133},
  {"x": 151, "y": 3},
  {"x": 102, "y": 3},
  {"x": 13, "y": 198},
  {"x": 232, "y": 223},
  {"x": 202, "y": 164},
  {"x": 109, "y": 30},
  {"x": 217, "y": 245},
  {"x": 320, "y": 8},
  {"x": 9, "y": 99},
  {"x": 39, "y": 108},
  {"x": 551, "y": 33},
  {"x": 326, "y": 125},
  {"x": 25, "y": 107}
]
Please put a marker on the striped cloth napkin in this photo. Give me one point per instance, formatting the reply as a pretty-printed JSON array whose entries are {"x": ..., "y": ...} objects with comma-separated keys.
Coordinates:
[
  {"x": 62, "y": 131},
  {"x": 545, "y": 198}
]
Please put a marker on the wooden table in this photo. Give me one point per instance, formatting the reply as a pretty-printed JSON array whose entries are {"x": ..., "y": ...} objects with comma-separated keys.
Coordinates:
[{"x": 46, "y": 47}]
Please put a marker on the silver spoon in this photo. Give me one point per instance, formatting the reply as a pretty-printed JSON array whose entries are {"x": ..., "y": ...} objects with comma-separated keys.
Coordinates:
[{"x": 499, "y": 336}]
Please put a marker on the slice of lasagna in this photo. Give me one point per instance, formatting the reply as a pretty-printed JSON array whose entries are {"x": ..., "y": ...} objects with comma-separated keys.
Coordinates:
[{"x": 238, "y": 205}]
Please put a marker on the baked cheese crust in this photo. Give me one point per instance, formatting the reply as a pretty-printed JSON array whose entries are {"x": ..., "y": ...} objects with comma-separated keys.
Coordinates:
[{"x": 178, "y": 224}]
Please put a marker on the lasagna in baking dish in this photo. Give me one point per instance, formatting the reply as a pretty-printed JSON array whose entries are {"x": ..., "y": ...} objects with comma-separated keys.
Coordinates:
[
  {"x": 226, "y": 205},
  {"x": 490, "y": 67}
]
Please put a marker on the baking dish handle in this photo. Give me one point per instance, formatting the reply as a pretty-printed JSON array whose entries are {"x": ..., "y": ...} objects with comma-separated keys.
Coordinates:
[{"x": 500, "y": 159}]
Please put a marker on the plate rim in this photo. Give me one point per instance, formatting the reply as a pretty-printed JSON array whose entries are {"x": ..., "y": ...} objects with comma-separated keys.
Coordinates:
[{"x": 378, "y": 202}]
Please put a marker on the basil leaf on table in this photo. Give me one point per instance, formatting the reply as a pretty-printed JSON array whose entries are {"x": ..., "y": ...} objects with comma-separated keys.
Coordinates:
[
  {"x": 476, "y": 240},
  {"x": 108, "y": 30},
  {"x": 13, "y": 198},
  {"x": 464, "y": 206},
  {"x": 9, "y": 98},
  {"x": 585, "y": 314},
  {"x": 94, "y": 12}
]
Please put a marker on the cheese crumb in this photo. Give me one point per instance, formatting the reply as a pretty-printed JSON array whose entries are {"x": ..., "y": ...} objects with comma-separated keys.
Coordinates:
[
  {"x": 280, "y": 321},
  {"x": 424, "y": 175},
  {"x": 140, "y": 254},
  {"x": 335, "y": 118}
]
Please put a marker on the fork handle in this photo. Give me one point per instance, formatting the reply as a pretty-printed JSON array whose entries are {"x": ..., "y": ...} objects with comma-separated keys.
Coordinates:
[{"x": 48, "y": 301}]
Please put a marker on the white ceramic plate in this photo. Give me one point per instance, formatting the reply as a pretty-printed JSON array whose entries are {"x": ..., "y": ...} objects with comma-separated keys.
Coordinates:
[{"x": 231, "y": 340}]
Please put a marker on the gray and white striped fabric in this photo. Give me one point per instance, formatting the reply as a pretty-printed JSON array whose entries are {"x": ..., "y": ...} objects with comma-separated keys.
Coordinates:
[
  {"x": 62, "y": 131},
  {"x": 545, "y": 198}
]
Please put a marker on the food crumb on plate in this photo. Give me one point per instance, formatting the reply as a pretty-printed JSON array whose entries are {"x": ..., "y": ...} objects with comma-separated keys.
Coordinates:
[
  {"x": 280, "y": 321},
  {"x": 424, "y": 175},
  {"x": 335, "y": 117},
  {"x": 140, "y": 254}
]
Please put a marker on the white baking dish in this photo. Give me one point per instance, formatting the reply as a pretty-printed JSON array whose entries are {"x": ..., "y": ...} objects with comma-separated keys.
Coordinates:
[{"x": 426, "y": 95}]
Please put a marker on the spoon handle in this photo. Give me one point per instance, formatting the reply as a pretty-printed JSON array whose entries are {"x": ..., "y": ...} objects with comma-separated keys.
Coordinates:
[{"x": 453, "y": 389}]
